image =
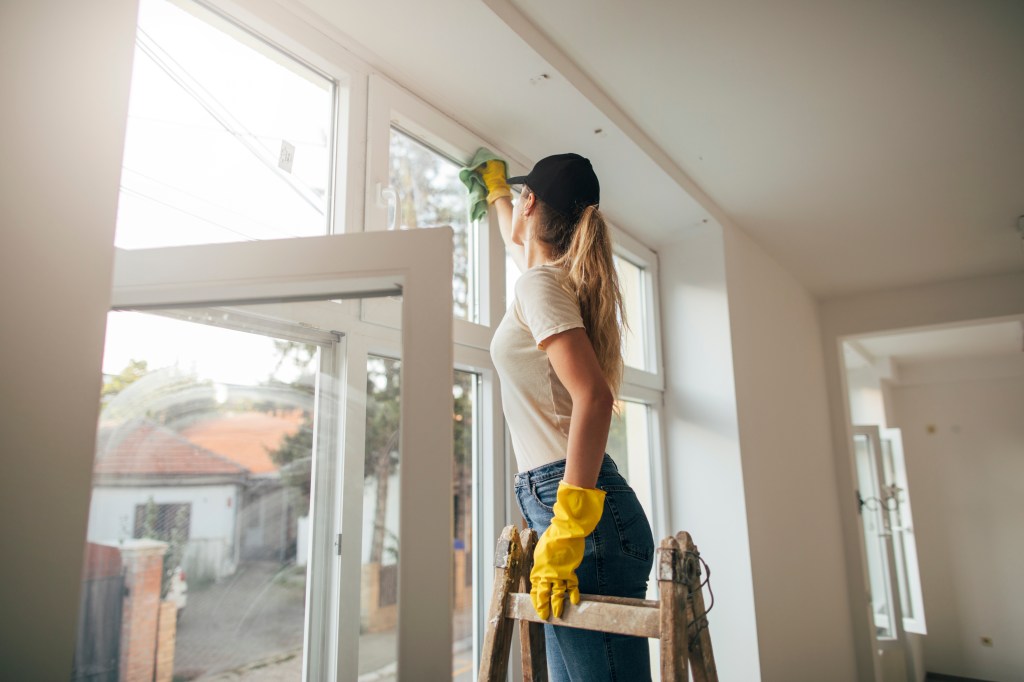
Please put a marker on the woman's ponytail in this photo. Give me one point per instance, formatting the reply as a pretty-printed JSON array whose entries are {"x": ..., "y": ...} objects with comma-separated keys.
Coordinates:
[{"x": 595, "y": 282}]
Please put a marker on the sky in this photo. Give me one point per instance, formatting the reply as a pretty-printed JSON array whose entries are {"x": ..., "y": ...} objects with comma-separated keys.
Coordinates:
[
  {"x": 208, "y": 119},
  {"x": 220, "y": 355}
]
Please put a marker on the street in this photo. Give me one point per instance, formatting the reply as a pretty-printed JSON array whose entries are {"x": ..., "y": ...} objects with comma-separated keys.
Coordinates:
[{"x": 249, "y": 627}]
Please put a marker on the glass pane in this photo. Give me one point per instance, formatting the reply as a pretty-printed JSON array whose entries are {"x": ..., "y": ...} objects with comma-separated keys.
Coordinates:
[
  {"x": 198, "y": 546},
  {"x": 894, "y": 497},
  {"x": 902, "y": 526},
  {"x": 631, "y": 280},
  {"x": 629, "y": 444},
  {"x": 467, "y": 437},
  {"x": 228, "y": 139},
  {"x": 378, "y": 643},
  {"x": 431, "y": 194},
  {"x": 875, "y": 534}
]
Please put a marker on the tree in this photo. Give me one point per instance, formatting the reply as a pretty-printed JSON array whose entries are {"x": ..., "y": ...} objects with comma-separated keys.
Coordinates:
[
  {"x": 174, "y": 534},
  {"x": 463, "y": 393},
  {"x": 431, "y": 194},
  {"x": 294, "y": 455},
  {"x": 167, "y": 396},
  {"x": 113, "y": 385},
  {"x": 383, "y": 414}
]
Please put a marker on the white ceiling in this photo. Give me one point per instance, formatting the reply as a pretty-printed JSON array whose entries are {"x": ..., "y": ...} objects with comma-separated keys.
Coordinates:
[
  {"x": 955, "y": 343},
  {"x": 864, "y": 145}
]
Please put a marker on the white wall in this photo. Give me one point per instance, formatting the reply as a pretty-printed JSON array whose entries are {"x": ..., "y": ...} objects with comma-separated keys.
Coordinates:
[
  {"x": 212, "y": 536},
  {"x": 212, "y": 515},
  {"x": 867, "y": 395},
  {"x": 704, "y": 472},
  {"x": 967, "y": 482},
  {"x": 900, "y": 309},
  {"x": 803, "y": 628},
  {"x": 64, "y": 74}
]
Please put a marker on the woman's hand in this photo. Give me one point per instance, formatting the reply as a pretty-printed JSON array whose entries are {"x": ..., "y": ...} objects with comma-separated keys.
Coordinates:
[
  {"x": 559, "y": 551},
  {"x": 493, "y": 175}
]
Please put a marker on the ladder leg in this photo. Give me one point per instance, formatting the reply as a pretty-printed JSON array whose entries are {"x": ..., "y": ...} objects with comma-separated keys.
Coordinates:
[
  {"x": 498, "y": 630},
  {"x": 531, "y": 635},
  {"x": 702, "y": 657},
  {"x": 672, "y": 598}
]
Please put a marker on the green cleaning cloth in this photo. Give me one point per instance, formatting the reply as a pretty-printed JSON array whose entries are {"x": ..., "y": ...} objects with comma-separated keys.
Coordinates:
[{"x": 475, "y": 184}]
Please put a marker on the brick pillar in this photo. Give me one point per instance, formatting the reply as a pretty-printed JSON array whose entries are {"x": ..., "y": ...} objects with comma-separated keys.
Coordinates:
[
  {"x": 144, "y": 564},
  {"x": 166, "y": 634}
]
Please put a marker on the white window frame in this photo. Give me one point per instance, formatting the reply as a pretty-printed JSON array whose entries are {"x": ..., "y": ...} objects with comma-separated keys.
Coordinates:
[
  {"x": 334, "y": 267},
  {"x": 390, "y": 105},
  {"x": 648, "y": 386},
  {"x": 630, "y": 249}
]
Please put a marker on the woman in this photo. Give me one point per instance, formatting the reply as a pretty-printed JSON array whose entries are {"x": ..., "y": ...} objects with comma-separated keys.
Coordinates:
[{"x": 558, "y": 354}]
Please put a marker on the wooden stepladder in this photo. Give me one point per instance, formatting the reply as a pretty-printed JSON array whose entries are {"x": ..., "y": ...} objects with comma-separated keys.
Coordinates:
[{"x": 677, "y": 618}]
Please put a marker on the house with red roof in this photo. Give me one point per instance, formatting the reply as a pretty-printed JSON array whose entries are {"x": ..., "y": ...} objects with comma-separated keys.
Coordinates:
[
  {"x": 269, "y": 510},
  {"x": 213, "y": 483}
]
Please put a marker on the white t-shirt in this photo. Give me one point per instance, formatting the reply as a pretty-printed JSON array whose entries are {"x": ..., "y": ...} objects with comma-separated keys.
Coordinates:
[{"x": 536, "y": 403}]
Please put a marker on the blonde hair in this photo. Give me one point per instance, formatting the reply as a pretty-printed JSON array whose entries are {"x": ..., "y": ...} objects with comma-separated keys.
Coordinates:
[{"x": 584, "y": 249}]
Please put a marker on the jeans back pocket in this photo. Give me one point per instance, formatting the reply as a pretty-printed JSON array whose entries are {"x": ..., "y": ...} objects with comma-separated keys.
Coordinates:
[{"x": 631, "y": 524}]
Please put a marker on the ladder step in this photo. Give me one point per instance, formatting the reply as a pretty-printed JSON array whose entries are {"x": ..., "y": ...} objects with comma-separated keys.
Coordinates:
[{"x": 638, "y": 617}]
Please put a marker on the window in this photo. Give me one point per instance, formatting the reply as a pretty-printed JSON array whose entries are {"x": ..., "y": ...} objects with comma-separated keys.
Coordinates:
[
  {"x": 162, "y": 521},
  {"x": 467, "y": 438},
  {"x": 414, "y": 155},
  {"x": 629, "y": 444},
  {"x": 430, "y": 193},
  {"x": 285, "y": 356},
  {"x": 887, "y": 531},
  {"x": 202, "y": 479},
  {"x": 901, "y": 523},
  {"x": 633, "y": 285},
  {"x": 381, "y": 505},
  {"x": 228, "y": 139},
  {"x": 381, "y": 501},
  {"x": 232, "y": 139}
]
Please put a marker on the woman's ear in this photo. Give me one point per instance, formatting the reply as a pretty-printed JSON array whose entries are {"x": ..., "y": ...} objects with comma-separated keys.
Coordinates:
[{"x": 529, "y": 203}]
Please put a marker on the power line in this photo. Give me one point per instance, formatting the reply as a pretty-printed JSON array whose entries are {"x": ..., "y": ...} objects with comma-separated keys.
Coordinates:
[
  {"x": 220, "y": 113},
  {"x": 206, "y": 201}
]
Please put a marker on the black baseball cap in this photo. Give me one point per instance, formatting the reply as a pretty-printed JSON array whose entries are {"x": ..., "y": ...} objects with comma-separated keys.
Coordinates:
[{"x": 565, "y": 182}]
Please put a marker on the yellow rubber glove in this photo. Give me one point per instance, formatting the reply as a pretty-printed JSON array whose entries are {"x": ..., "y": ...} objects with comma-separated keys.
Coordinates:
[
  {"x": 493, "y": 174},
  {"x": 560, "y": 549}
]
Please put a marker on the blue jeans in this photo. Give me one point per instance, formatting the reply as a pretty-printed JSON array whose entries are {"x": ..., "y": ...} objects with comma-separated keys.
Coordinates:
[{"x": 617, "y": 560}]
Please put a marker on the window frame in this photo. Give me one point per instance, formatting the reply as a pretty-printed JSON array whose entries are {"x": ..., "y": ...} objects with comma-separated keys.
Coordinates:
[
  {"x": 630, "y": 249},
  {"x": 283, "y": 32},
  {"x": 648, "y": 386},
  {"x": 392, "y": 106},
  {"x": 328, "y": 267},
  {"x": 389, "y": 106}
]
